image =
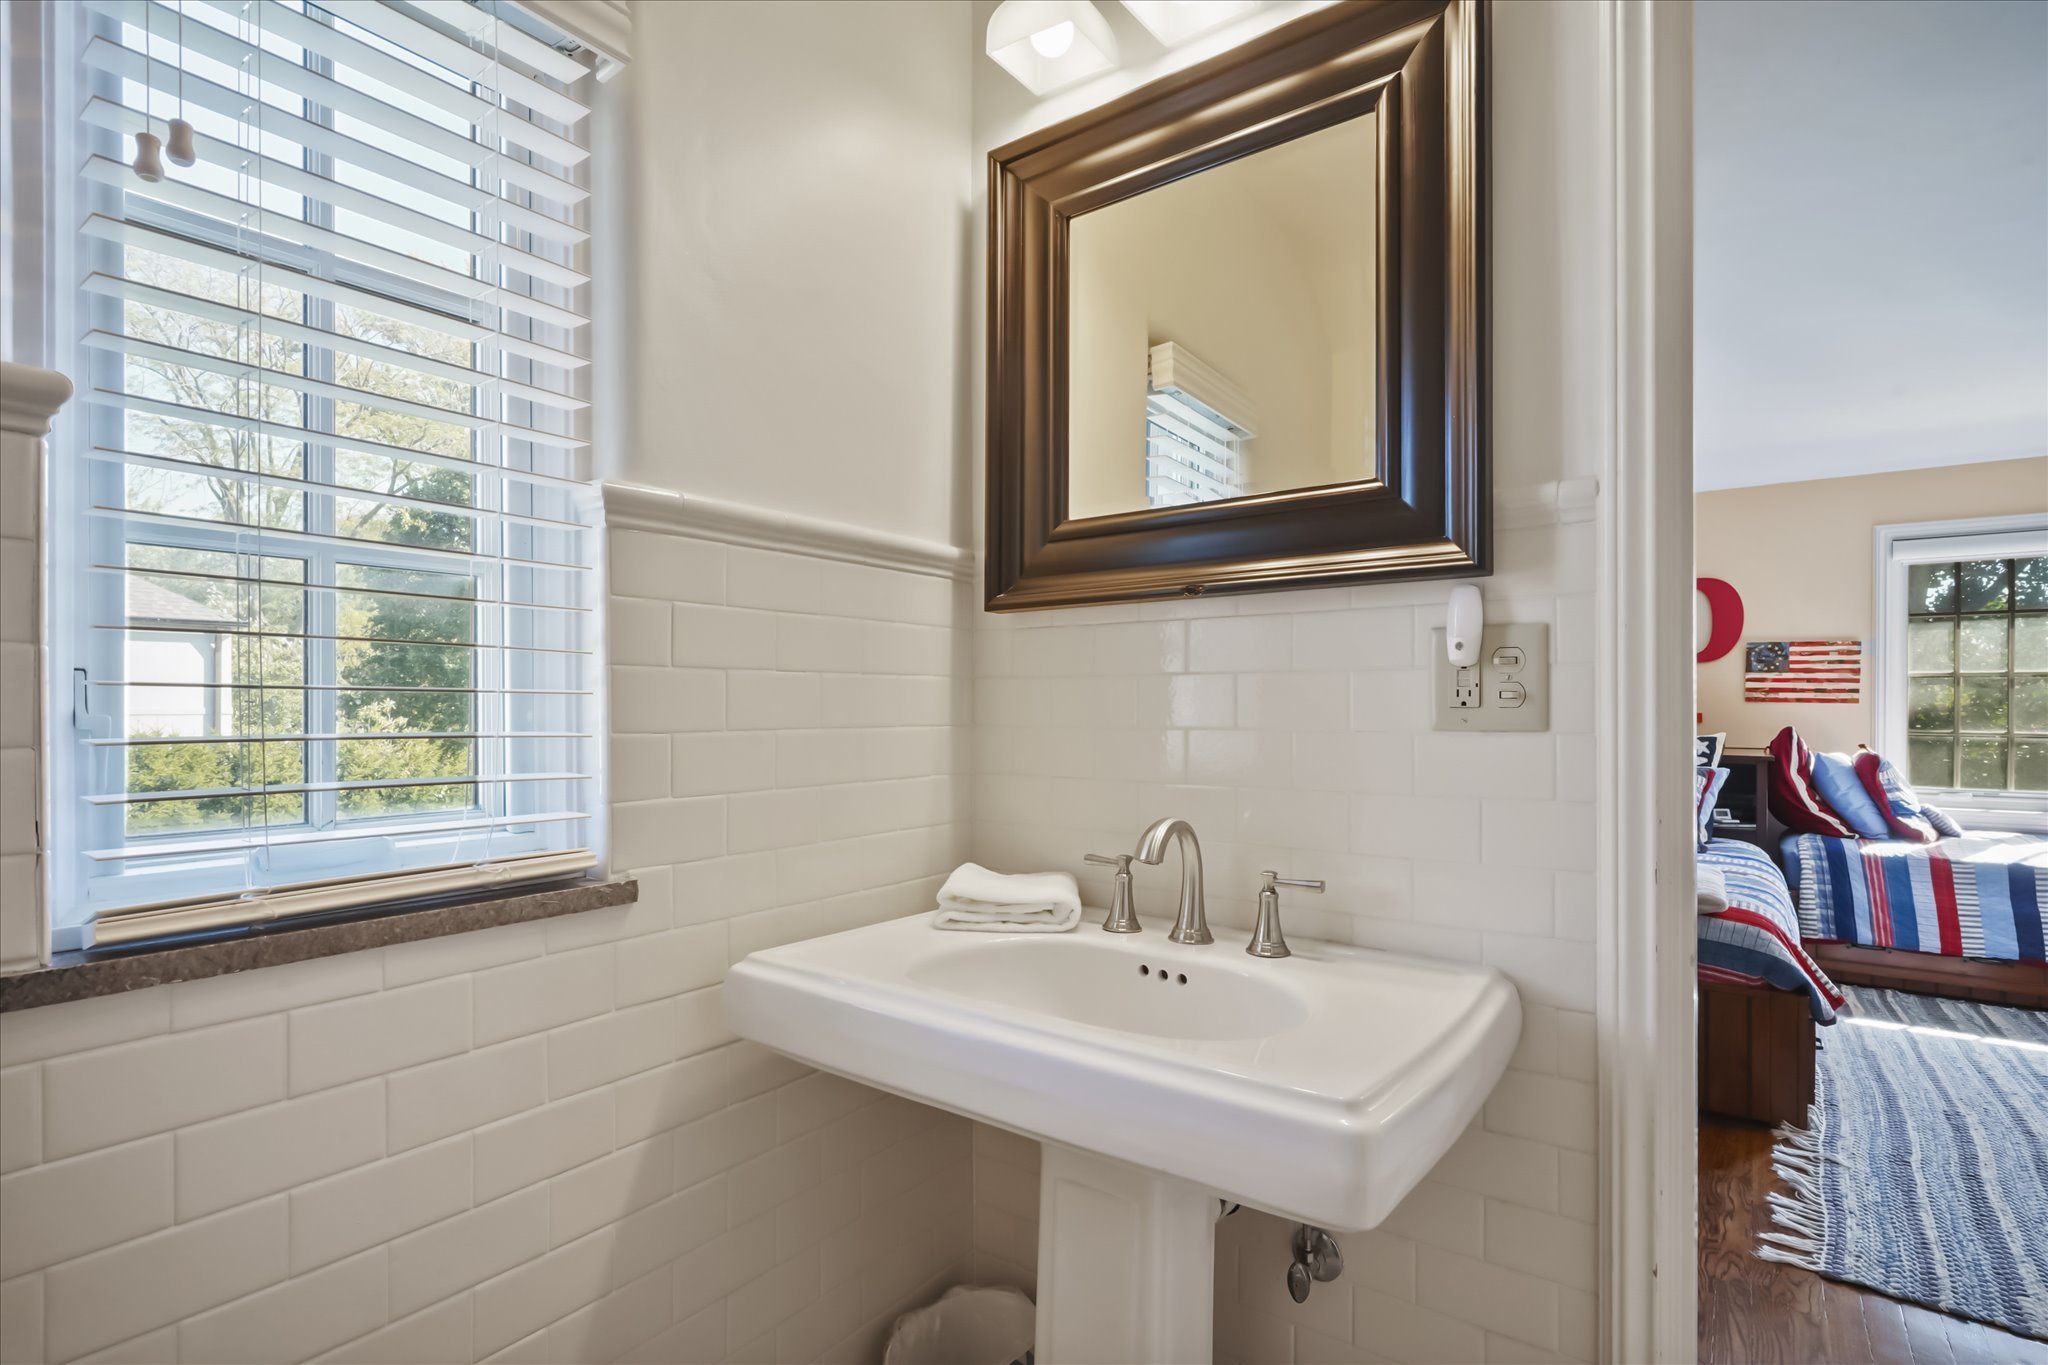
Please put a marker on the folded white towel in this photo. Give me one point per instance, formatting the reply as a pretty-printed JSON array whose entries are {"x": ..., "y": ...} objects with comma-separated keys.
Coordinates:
[
  {"x": 991, "y": 902},
  {"x": 1713, "y": 890}
]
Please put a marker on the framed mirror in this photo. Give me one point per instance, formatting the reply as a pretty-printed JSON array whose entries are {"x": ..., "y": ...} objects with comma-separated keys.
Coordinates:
[{"x": 1237, "y": 322}]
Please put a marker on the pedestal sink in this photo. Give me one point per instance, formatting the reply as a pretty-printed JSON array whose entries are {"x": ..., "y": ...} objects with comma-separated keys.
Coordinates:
[{"x": 1161, "y": 1079}]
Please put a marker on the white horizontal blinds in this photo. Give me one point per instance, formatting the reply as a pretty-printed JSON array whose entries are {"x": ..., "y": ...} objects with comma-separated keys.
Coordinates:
[
  {"x": 1190, "y": 456},
  {"x": 334, "y": 532}
]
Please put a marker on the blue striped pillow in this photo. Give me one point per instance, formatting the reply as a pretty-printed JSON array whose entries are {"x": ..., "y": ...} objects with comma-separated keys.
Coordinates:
[
  {"x": 1706, "y": 786},
  {"x": 1835, "y": 775}
]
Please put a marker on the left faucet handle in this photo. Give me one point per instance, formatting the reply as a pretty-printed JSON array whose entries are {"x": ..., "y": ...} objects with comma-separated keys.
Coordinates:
[{"x": 1123, "y": 914}]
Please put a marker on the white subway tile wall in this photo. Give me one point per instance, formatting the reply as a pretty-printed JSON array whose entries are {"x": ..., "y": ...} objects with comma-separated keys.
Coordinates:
[
  {"x": 539, "y": 1143},
  {"x": 21, "y": 937},
  {"x": 1293, "y": 730}
]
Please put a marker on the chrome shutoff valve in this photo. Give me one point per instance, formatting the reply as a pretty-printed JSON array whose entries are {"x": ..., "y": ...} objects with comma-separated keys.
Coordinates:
[{"x": 1316, "y": 1257}]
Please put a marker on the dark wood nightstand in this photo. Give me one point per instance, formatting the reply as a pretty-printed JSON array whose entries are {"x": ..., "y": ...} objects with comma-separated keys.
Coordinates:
[{"x": 1747, "y": 797}]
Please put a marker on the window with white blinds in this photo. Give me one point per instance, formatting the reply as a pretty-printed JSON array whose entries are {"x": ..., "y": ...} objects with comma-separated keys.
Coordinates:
[
  {"x": 1191, "y": 453},
  {"x": 1196, "y": 425},
  {"x": 323, "y": 537}
]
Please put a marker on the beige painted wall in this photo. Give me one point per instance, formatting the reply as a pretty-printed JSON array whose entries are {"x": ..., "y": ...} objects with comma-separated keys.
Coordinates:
[{"x": 1800, "y": 556}]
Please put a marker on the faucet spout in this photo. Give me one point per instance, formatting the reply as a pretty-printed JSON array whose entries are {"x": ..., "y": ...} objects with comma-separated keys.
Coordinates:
[{"x": 1191, "y": 925}]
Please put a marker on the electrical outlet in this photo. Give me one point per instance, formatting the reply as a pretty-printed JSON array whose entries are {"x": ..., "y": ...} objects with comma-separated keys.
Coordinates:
[
  {"x": 1508, "y": 689},
  {"x": 1465, "y": 689}
]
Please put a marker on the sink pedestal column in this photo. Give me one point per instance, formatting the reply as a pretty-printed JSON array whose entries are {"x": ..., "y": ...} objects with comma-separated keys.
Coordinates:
[{"x": 1126, "y": 1264}]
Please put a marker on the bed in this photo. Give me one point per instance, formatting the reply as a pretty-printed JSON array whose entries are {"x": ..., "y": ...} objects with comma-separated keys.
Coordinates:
[
  {"x": 1762, "y": 995},
  {"x": 1963, "y": 916}
]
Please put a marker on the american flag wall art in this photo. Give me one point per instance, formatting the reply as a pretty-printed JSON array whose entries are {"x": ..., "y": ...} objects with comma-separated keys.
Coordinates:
[{"x": 1804, "y": 670}]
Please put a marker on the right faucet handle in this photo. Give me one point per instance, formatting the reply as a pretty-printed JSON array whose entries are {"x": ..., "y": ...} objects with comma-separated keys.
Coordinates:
[{"x": 1267, "y": 940}]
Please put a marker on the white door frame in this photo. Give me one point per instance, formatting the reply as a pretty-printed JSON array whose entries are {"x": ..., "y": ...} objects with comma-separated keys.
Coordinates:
[{"x": 1647, "y": 922}]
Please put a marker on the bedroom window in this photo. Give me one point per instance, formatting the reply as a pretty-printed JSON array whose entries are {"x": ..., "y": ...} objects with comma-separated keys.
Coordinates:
[
  {"x": 1963, "y": 658},
  {"x": 321, "y": 521}
]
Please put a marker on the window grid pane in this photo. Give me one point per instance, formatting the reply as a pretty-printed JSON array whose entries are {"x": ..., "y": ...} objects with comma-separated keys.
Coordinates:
[{"x": 1977, "y": 666}]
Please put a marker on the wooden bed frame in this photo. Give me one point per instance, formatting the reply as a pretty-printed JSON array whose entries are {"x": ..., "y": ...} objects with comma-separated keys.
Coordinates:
[
  {"x": 1757, "y": 1043},
  {"x": 1756, "y": 1051},
  {"x": 1958, "y": 978}
]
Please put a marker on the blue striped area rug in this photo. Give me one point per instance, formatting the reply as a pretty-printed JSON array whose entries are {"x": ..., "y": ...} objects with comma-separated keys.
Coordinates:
[{"x": 1923, "y": 1171}]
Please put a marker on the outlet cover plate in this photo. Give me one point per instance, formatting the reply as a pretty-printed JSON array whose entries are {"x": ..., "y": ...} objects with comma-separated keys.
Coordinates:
[{"x": 1499, "y": 675}]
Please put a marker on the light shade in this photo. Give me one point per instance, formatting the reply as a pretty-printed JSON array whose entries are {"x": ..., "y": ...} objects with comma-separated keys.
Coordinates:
[
  {"x": 1046, "y": 44},
  {"x": 1173, "y": 22}
]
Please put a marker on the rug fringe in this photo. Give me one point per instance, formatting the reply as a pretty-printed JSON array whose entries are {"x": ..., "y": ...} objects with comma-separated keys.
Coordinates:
[{"x": 1799, "y": 1219}]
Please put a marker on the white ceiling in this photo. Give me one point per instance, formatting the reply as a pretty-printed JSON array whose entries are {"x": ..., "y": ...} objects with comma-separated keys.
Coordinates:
[{"x": 1871, "y": 236}]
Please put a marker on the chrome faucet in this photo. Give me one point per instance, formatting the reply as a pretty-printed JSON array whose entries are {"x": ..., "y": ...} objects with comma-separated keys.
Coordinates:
[{"x": 1191, "y": 925}]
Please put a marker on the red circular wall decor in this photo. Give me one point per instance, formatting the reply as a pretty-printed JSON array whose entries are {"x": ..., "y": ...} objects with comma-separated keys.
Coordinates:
[{"x": 1724, "y": 607}]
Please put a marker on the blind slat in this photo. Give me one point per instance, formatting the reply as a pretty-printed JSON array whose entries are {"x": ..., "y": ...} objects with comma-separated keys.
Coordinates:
[
  {"x": 479, "y": 64},
  {"x": 285, "y": 535},
  {"x": 188, "y": 629},
  {"x": 274, "y": 276},
  {"x": 120, "y": 118},
  {"x": 171, "y": 465},
  {"x": 487, "y": 385},
  {"x": 284, "y": 74},
  {"x": 292, "y": 435},
  {"x": 151, "y": 741},
  {"x": 516, "y": 46},
  {"x": 411, "y": 269},
  {"x": 188, "y": 847},
  {"x": 143, "y": 349},
  {"x": 308, "y": 788},
  {"x": 163, "y": 78},
  {"x": 295, "y": 584},
  {"x": 340, "y": 687}
]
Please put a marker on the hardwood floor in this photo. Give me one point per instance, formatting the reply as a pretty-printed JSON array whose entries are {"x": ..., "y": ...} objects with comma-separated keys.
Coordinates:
[{"x": 1754, "y": 1311}]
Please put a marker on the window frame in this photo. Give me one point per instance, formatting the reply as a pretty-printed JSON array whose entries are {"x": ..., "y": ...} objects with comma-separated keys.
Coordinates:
[
  {"x": 81, "y": 709},
  {"x": 1896, "y": 548}
]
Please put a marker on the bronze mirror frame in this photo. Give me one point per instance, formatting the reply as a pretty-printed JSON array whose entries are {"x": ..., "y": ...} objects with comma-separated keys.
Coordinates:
[{"x": 1426, "y": 510}]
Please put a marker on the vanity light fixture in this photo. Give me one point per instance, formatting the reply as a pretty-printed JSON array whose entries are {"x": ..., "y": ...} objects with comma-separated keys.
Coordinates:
[
  {"x": 1047, "y": 44},
  {"x": 1173, "y": 22}
]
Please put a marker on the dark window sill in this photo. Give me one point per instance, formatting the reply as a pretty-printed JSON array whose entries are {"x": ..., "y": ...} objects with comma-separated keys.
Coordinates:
[{"x": 83, "y": 975}]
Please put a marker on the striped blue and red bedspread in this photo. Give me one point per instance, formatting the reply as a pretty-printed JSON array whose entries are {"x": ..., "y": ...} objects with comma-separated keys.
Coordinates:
[
  {"x": 1755, "y": 941},
  {"x": 1980, "y": 895}
]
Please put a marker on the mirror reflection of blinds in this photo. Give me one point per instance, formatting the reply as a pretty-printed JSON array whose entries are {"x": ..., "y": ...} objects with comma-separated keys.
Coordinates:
[
  {"x": 327, "y": 502},
  {"x": 1189, "y": 456}
]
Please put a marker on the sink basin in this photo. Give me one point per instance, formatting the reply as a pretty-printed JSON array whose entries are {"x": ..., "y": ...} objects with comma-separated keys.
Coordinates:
[
  {"x": 1094, "y": 984},
  {"x": 1320, "y": 1087}
]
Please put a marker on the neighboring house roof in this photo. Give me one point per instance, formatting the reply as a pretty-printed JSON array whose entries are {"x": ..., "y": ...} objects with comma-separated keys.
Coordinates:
[{"x": 150, "y": 601}]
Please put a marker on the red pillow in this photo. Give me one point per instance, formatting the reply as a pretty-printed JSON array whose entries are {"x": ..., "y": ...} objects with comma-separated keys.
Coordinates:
[
  {"x": 1898, "y": 803},
  {"x": 1795, "y": 800}
]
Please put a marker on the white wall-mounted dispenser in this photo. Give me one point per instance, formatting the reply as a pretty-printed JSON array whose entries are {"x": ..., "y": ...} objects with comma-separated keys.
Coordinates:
[{"x": 1464, "y": 625}]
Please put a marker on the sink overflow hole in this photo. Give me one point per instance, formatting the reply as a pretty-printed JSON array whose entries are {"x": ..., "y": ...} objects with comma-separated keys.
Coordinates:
[{"x": 1145, "y": 969}]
